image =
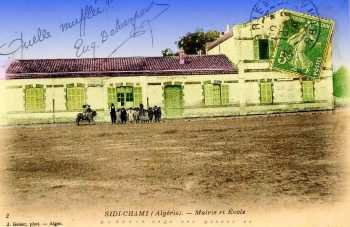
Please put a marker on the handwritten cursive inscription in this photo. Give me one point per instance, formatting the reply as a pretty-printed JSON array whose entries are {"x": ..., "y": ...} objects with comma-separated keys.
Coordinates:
[
  {"x": 136, "y": 25},
  {"x": 139, "y": 24},
  {"x": 19, "y": 44},
  {"x": 88, "y": 12}
]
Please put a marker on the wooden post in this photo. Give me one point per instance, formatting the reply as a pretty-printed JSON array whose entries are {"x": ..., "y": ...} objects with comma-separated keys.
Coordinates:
[{"x": 53, "y": 111}]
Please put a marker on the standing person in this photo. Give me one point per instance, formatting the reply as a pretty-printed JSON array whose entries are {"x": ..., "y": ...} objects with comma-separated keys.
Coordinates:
[
  {"x": 145, "y": 118},
  {"x": 85, "y": 110},
  {"x": 141, "y": 108},
  {"x": 155, "y": 113},
  {"x": 131, "y": 115},
  {"x": 150, "y": 114},
  {"x": 136, "y": 115},
  {"x": 159, "y": 112},
  {"x": 141, "y": 113},
  {"x": 118, "y": 116},
  {"x": 89, "y": 110},
  {"x": 123, "y": 115},
  {"x": 113, "y": 114}
]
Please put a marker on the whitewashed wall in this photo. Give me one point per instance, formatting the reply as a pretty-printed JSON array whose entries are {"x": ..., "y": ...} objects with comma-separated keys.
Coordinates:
[
  {"x": 324, "y": 89},
  {"x": 155, "y": 95},
  {"x": 55, "y": 93},
  {"x": 95, "y": 97},
  {"x": 193, "y": 94},
  {"x": 234, "y": 93},
  {"x": 14, "y": 101},
  {"x": 252, "y": 92},
  {"x": 287, "y": 91}
]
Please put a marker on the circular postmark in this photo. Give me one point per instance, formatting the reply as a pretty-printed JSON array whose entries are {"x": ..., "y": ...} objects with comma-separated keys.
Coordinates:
[
  {"x": 310, "y": 29},
  {"x": 265, "y": 7}
]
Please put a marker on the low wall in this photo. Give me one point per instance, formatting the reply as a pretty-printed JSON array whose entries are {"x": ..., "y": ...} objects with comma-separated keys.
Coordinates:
[{"x": 103, "y": 116}]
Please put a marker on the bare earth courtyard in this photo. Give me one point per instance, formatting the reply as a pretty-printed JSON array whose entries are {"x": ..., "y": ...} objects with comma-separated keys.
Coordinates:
[{"x": 215, "y": 162}]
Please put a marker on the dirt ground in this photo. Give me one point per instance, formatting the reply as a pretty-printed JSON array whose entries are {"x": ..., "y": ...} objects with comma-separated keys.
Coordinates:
[{"x": 214, "y": 162}]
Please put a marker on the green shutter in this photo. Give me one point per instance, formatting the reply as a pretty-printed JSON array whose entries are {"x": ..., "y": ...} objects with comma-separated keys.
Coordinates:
[
  {"x": 112, "y": 95},
  {"x": 224, "y": 94},
  {"x": 40, "y": 99},
  {"x": 271, "y": 48},
  {"x": 137, "y": 96},
  {"x": 208, "y": 94},
  {"x": 216, "y": 94},
  {"x": 75, "y": 98},
  {"x": 269, "y": 93},
  {"x": 262, "y": 92},
  {"x": 256, "y": 49},
  {"x": 308, "y": 91},
  {"x": 266, "y": 93},
  {"x": 35, "y": 99}
]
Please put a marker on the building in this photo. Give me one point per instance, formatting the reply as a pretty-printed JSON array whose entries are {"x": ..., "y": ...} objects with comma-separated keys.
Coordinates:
[
  {"x": 55, "y": 89},
  {"x": 239, "y": 76},
  {"x": 268, "y": 86}
]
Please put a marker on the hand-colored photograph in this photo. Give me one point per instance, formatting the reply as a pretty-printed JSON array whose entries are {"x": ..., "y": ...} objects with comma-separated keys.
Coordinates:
[{"x": 175, "y": 113}]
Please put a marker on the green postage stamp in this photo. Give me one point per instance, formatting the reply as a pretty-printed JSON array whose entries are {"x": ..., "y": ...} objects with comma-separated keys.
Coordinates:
[{"x": 303, "y": 45}]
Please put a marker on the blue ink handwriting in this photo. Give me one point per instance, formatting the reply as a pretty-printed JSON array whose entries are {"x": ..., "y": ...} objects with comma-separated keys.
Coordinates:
[
  {"x": 137, "y": 29},
  {"x": 19, "y": 44},
  {"x": 88, "y": 12}
]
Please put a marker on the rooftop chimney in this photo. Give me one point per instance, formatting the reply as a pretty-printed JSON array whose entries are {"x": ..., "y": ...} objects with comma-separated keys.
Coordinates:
[
  {"x": 227, "y": 28},
  {"x": 182, "y": 57}
]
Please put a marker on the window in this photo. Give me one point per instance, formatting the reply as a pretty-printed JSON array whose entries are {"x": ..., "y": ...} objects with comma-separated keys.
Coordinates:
[
  {"x": 34, "y": 100},
  {"x": 120, "y": 97},
  {"x": 308, "y": 91},
  {"x": 125, "y": 96},
  {"x": 216, "y": 94},
  {"x": 75, "y": 98},
  {"x": 262, "y": 49},
  {"x": 129, "y": 94},
  {"x": 266, "y": 93}
]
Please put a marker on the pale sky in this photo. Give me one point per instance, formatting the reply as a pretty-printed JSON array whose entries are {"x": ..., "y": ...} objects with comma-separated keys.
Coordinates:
[{"x": 170, "y": 19}]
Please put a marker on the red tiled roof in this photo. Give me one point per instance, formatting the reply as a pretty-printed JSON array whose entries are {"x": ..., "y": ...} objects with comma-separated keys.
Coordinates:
[{"x": 98, "y": 67}]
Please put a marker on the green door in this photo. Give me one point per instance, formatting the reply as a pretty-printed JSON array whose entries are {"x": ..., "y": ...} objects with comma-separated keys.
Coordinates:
[{"x": 173, "y": 101}]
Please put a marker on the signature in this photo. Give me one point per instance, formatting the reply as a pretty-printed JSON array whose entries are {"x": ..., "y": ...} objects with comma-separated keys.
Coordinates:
[
  {"x": 20, "y": 44},
  {"x": 88, "y": 12},
  {"x": 139, "y": 23}
]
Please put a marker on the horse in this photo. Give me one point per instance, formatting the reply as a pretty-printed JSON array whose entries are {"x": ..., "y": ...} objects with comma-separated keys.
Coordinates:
[{"x": 86, "y": 117}]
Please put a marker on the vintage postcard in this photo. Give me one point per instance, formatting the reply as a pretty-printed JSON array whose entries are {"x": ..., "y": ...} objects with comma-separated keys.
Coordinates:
[{"x": 174, "y": 113}]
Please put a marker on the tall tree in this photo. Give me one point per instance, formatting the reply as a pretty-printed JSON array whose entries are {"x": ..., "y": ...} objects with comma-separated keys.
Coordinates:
[
  {"x": 341, "y": 82},
  {"x": 193, "y": 43},
  {"x": 167, "y": 52}
]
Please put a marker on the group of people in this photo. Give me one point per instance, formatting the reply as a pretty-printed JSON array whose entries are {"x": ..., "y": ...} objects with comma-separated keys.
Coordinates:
[{"x": 135, "y": 115}]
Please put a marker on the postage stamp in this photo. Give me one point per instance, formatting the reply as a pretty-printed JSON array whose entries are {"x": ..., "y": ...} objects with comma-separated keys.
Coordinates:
[{"x": 302, "y": 45}]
